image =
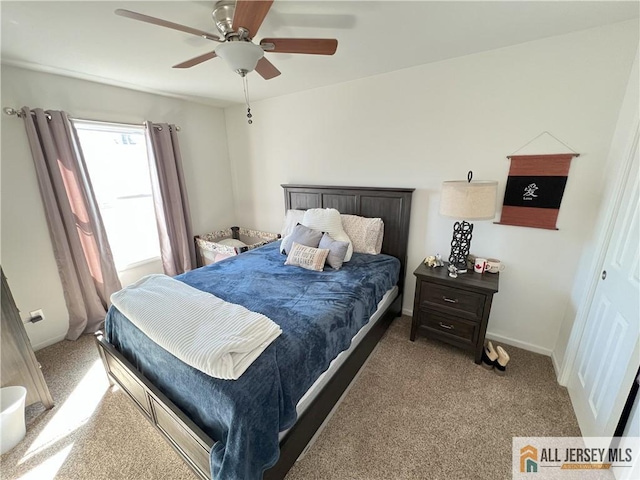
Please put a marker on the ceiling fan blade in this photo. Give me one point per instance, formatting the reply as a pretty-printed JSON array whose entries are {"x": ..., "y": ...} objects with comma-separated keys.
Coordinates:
[
  {"x": 166, "y": 23},
  {"x": 196, "y": 60},
  {"x": 249, "y": 14},
  {"x": 314, "y": 46},
  {"x": 266, "y": 69}
]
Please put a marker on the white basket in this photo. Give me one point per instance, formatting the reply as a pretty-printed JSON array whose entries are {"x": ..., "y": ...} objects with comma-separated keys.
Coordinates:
[{"x": 12, "y": 426}]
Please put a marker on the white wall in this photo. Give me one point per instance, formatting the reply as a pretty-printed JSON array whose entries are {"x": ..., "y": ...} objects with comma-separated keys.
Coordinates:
[
  {"x": 26, "y": 252},
  {"x": 420, "y": 126}
]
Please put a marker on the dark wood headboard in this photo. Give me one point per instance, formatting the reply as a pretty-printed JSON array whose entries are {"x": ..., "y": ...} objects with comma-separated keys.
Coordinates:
[{"x": 392, "y": 205}]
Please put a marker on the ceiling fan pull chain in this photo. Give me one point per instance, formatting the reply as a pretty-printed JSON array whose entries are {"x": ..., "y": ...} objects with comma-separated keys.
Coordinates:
[{"x": 245, "y": 84}]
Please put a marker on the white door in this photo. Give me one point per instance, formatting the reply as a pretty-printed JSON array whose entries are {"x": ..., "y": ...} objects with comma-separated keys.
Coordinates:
[{"x": 608, "y": 355}]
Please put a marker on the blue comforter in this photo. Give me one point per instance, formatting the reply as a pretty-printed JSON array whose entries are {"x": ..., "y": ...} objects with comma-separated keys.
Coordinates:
[{"x": 319, "y": 313}]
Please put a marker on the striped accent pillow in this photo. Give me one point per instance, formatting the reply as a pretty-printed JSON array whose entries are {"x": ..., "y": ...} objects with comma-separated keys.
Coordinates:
[{"x": 307, "y": 257}]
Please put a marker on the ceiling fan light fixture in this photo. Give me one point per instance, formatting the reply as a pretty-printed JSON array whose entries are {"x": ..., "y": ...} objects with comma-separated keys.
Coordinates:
[{"x": 241, "y": 56}]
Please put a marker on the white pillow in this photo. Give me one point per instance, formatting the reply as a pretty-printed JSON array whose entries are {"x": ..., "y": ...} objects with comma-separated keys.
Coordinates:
[
  {"x": 380, "y": 238},
  {"x": 328, "y": 220},
  {"x": 307, "y": 257},
  {"x": 291, "y": 219},
  {"x": 232, "y": 242},
  {"x": 365, "y": 233}
]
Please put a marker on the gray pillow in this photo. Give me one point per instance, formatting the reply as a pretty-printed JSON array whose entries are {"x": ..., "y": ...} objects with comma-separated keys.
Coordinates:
[
  {"x": 302, "y": 235},
  {"x": 337, "y": 251}
]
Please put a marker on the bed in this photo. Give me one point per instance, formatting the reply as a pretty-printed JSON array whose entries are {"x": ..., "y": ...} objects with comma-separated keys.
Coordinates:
[{"x": 189, "y": 438}]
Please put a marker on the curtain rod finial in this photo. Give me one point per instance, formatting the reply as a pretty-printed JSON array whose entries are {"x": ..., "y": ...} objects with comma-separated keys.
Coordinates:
[{"x": 12, "y": 111}]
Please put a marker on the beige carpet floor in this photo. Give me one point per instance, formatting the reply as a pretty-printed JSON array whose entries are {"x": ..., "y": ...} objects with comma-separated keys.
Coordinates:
[{"x": 419, "y": 410}]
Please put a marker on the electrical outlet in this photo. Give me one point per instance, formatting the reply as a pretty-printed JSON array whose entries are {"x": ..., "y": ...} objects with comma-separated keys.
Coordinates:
[{"x": 35, "y": 314}]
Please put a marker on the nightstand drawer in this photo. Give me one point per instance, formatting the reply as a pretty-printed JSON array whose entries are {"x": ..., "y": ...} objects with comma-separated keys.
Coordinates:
[
  {"x": 453, "y": 300},
  {"x": 456, "y": 327}
]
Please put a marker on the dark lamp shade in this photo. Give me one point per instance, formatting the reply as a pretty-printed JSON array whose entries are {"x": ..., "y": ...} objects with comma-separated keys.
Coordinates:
[{"x": 469, "y": 200}]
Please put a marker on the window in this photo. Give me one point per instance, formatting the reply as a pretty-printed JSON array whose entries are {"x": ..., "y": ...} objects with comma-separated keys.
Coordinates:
[{"x": 116, "y": 158}]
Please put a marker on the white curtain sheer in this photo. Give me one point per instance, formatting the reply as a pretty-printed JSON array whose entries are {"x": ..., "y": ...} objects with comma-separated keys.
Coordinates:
[
  {"x": 79, "y": 240},
  {"x": 170, "y": 199}
]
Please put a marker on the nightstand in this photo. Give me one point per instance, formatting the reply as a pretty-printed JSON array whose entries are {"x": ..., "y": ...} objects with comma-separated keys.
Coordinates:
[{"x": 454, "y": 310}]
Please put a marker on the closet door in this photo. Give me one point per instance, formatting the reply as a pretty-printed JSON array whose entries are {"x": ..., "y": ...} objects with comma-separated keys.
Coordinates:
[
  {"x": 607, "y": 359},
  {"x": 19, "y": 364}
]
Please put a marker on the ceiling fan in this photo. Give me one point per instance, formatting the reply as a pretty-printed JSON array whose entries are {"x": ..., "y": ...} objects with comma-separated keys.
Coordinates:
[{"x": 238, "y": 23}]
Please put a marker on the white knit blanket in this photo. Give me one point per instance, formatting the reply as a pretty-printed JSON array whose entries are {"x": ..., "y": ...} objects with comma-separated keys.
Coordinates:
[{"x": 218, "y": 338}]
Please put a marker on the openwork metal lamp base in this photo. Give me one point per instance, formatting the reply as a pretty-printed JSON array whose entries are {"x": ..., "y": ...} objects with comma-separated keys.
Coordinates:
[{"x": 460, "y": 244}]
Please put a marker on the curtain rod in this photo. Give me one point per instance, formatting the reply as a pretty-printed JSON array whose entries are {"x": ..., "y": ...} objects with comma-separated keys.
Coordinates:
[{"x": 19, "y": 114}]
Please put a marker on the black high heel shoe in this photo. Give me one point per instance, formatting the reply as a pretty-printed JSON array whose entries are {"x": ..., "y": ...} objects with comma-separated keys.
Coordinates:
[{"x": 489, "y": 356}]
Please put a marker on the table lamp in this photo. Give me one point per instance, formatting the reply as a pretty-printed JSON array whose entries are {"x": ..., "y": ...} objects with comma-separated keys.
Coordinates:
[{"x": 466, "y": 200}]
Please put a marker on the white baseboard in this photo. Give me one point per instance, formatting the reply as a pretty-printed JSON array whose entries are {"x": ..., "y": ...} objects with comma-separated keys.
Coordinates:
[
  {"x": 408, "y": 312},
  {"x": 519, "y": 344},
  {"x": 48, "y": 342},
  {"x": 556, "y": 366}
]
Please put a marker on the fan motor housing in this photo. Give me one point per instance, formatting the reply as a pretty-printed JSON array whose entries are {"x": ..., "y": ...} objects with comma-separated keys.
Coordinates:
[{"x": 223, "y": 16}]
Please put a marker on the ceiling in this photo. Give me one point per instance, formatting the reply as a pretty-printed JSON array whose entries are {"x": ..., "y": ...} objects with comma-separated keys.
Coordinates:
[{"x": 85, "y": 39}]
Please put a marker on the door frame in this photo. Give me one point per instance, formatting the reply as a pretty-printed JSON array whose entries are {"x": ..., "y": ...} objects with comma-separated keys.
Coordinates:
[{"x": 604, "y": 241}]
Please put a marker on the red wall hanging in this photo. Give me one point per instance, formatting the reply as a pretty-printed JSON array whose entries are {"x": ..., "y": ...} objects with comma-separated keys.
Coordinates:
[{"x": 534, "y": 190}]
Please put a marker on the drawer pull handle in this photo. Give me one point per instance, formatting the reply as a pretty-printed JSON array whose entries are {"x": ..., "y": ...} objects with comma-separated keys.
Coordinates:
[
  {"x": 450, "y": 300},
  {"x": 448, "y": 327}
]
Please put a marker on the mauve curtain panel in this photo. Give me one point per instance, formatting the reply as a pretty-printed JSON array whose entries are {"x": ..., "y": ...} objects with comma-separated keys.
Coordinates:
[
  {"x": 80, "y": 245},
  {"x": 170, "y": 199}
]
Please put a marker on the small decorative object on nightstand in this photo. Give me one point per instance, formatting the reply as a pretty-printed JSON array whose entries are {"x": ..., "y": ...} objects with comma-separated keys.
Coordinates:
[{"x": 454, "y": 310}]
